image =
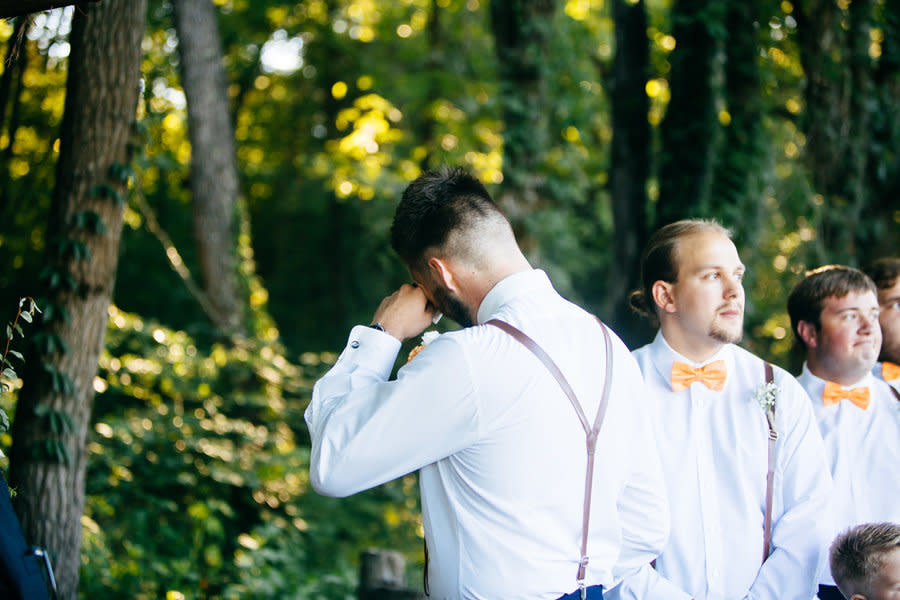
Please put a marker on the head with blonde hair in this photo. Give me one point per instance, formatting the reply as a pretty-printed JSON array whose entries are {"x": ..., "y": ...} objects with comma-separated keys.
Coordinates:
[{"x": 865, "y": 561}]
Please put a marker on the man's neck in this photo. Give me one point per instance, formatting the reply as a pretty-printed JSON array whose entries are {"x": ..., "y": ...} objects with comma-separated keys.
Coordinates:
[
  {"x": 843, "y": 378},
  {"x": 695, "y": 350},
  {"x": 486, "y": 283}
]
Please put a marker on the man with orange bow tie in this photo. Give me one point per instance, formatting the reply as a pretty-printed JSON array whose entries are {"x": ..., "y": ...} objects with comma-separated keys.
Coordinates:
[
  {"x": 885, "y": 272},
  {"x": 742, "y": 456},
  {"x": 834, "y": 313}
]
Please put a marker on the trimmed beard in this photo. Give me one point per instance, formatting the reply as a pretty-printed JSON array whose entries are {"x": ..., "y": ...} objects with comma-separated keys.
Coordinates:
[
  {"x": 452, "y": 306},
  {"x": 723, "y": 335}
]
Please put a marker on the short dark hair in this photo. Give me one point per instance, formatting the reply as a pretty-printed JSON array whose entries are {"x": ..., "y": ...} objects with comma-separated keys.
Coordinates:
[
  {"x": 659, "y": 261},
  {"x": 884, "y": 272},
  {"x": 434, "y": 205},
  {"x": 807, "y": 298},
  {"x": 856, "y": 555}
]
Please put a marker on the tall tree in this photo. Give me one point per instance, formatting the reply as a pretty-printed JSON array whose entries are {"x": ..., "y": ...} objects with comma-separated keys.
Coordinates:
[
  {"x": 741, "y": 149},
  {"x": 11, "y": 93},
  {"x": 630, "y": 161},
  {"x": 834, "y": 49},
  {"x": 49, "y": 454},
  {"x": 690, "y": 126},
  {"x": 522, "y": 29},
  {"x": 214, "y": 176}
]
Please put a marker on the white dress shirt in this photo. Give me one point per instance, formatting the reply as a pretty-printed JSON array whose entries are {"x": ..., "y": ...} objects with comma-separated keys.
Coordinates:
[
  {"x": 500, "y": 449},
  {"x": 863, "y": 451},
  {"x": 714, "y": 452}
]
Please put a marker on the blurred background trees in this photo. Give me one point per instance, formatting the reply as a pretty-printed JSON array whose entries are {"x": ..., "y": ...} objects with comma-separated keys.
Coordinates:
[{"x": 271, "y": 142}]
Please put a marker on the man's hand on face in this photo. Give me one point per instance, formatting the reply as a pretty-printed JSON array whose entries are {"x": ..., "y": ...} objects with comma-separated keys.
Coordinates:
[{"x": 405, "y": 313}]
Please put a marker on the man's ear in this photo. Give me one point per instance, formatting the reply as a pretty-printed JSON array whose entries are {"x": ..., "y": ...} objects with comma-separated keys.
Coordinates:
[
  {"x": 662, "y": 295},
  {"x": 442, "y": 271},
  {"x": 808, "y": 333},
  {"x": 857, "y": 597}
]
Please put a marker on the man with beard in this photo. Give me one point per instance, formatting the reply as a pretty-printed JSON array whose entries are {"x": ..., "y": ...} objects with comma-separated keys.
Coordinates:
[
  {"x": 496, "y": 416},
  {"x": 743, "y": 460},
  {"x": 885, "y": 272},
  {"x": 834, "y": 313}
]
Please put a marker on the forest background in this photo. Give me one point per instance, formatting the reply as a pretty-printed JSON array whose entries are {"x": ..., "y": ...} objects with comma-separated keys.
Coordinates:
[{"x": 244, "y": 221}]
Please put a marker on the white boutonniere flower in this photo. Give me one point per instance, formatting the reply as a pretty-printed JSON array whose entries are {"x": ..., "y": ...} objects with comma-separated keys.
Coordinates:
[
  {"x": 427, "y": 338},
  {"x": 767, "y": 395}
]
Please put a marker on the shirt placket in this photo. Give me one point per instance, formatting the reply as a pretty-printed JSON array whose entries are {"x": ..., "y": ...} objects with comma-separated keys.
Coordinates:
[{"x": 710, "y": 515}]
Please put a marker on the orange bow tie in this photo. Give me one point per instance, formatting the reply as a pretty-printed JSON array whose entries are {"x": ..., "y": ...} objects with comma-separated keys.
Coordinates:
[
  {"x": 711, "y": 375},
  {"x": 890, "y": 371},
  {"x": 834, "y": 393}
]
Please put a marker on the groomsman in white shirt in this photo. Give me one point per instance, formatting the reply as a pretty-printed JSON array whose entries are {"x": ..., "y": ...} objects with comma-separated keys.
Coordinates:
[
  {"x": 711, "y": 416},
  {"x": 885, "y": 272},
  {"x": 509, "y": 505},
  {"x": 834, "y": 313}
]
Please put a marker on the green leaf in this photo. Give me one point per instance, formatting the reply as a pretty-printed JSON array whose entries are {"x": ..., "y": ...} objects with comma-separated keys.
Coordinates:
[
  {"x": 18, "y": 355},
  {"x": 26, "y": 316},
  {"x": 9, "y": 373}
]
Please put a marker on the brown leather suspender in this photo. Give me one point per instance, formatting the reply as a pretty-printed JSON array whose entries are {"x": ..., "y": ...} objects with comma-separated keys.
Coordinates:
[
  {"x": 893, "y": 389},
  {"x": 590, "y": 432},
  {"x": 770, "y": 476}
]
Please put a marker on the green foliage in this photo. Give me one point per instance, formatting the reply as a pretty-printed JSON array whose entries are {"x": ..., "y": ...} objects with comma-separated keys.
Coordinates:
[
  {"x": 26, "y": 312},
  {"x": 198, "y": 478}
]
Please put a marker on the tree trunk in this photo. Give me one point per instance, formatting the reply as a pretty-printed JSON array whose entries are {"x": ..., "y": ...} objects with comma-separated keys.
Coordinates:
[
  {"x": 49, "y": 455},
  {"x": 740, "y": 158},
  {"x": 690, "y": 126},
  {"x": 521, "y": 30},
  {"x": 214, "y": 177},
  {"x": 838, "y": 108},
  {"x": 630, "y": 162},
  {"x": 434, "y": 68},
  {"x": 883, "y": 167},
  {"x": 11, "y": 88}
]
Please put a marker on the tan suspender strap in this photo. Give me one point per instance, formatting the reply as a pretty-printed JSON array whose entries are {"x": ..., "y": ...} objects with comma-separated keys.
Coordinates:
[
  {"x": 770, "y": 476},
  {"x": 591, "y": 432}
]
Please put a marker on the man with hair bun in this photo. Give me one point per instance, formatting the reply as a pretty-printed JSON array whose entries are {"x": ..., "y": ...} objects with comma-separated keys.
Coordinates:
[
  {"x": 865, "y": 562},
  {"x": 885, "y": 272},
  {"x": 743, "y": 459},
  {"x": 835, "y": 317},
  {"x": 523, "y": 495}
]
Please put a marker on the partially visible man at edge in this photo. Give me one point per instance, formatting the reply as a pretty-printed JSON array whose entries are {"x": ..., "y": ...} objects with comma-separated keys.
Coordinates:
[
  {"x": 499, "y": 448},
  {"x": 885, "y": 272},
  {"x": 834, "y": 315},
  {"x": 713, "y": 435}
]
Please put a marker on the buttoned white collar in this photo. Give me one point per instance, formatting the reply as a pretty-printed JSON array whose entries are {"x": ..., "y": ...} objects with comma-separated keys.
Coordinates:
[
  {"x": 663, "y": 355},
  {"x": 517, "y": 284}
]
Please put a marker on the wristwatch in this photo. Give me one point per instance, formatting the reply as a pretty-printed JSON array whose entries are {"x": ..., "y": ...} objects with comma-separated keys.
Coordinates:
[{"x": 378, "y": 326}]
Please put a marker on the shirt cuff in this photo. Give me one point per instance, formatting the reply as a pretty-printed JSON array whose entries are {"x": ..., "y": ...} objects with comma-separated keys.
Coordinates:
[{"x": 372, "y": 350}]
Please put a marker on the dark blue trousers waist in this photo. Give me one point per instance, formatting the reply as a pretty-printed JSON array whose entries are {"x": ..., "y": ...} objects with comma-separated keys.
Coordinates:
[{"x": 595, "y": 592}]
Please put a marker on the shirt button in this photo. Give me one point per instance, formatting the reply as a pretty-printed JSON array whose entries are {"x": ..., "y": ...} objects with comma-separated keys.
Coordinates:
[{"x": 354, "y": 344}]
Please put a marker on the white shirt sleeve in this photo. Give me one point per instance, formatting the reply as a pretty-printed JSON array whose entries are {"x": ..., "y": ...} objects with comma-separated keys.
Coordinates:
[
  {"x": 643, "y": 505},
  {"x": 366, "y": 430},
  {"x": 802, "y": 529}
]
